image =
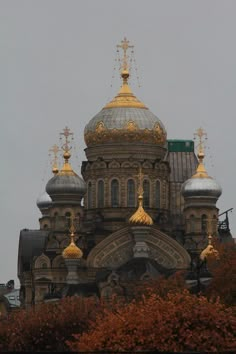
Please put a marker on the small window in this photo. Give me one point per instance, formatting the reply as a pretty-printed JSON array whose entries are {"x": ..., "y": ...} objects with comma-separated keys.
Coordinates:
[
  {"x": 158, "y": 195},
  {"x": 90, "y": 195},
  {"x": 192, "y": 223},
  {"x": 44, "y": 265},
  {"x": 100, "y": 194},
  {"x": 130, "y": 193},
  {"x": 146, "y": 193},
  {"x": 114, "y": 193},
  {"x": 12, "y": 298},
  {"x": 204, "y": 223}
]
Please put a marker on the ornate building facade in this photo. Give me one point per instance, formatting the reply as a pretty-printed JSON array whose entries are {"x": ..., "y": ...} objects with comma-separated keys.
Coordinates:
[{"x": 147, "y": 205}]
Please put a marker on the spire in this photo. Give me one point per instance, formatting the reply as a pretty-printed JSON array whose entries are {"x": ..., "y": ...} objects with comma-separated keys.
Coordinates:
[
  {"x": 66, "y": 169},
  {"x": 201, "y": 170},
  {"x": 54, "y": 149},
  {"x": 125, "y": 97},
  {"x": 140, "y": 217},
  {"x": 72, "y": 251}
]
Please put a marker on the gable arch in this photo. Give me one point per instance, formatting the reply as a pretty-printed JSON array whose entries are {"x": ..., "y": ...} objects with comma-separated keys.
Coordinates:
[
  {"x": 42, "y": 262},
  {"x": 117, "y": 249}
]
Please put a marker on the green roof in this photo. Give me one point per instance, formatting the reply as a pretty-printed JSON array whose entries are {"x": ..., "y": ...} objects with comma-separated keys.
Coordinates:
[{"x": 177, "y": 145}]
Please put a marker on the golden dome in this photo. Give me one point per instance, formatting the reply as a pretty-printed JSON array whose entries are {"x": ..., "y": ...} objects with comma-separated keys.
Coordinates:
[
  {"x": 125, "y": 118},
  {"x": 72, "y": 251},
  {"x": 140, "y": 217}
]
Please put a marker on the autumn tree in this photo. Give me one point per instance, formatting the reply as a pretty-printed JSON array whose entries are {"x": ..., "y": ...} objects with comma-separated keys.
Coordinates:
[
  {"x": 223, "y": 270},
  {"x": 178, "y": 323},
  {"x": 46, "y": 327}
]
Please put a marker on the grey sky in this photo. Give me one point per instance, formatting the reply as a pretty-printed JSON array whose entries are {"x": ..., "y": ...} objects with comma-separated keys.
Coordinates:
[{"x": 56, "y": 61}]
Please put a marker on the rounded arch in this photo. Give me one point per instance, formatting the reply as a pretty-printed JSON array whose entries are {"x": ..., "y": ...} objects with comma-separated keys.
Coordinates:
[
  {"x": 58, "y": 262},
  {"x": 114, "y": 164},
  {"x": 41, "y": 261},
  {"x": 53, "y": 244},
  {"x": 126, "y": 164}
]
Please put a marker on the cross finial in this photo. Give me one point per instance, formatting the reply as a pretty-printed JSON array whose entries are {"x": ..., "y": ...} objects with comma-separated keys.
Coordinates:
[
  {"x": 54, "y": 149},
  {"x": 66, "y": 133},
  {"x": 201, "y": 134},
  {"x": 140, "y": 176},
  {"x": 125, "y": 46},
  {"x": 65, "y": 147}
]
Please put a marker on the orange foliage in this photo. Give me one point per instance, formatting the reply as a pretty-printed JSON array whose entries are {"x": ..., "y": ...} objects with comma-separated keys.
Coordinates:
[
  {"x": 161, "y": 286},
  {"x": 48, "y": 326},
  {"x": 178, "y": 323},
  {"x": 223, "y": 271}
]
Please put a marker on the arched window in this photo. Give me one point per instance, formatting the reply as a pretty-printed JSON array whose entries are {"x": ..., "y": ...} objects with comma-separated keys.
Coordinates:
[
  {"x": 114, "y": 193},
  {"x": 204, "y": 223},
  {"x": 68, "y": 220},
  {"x": 130, "y": 193},
  {"x": 192, "y": 223},
  {"x": 100, "y": 194},
  {"x": 89, "y": 195},
  {"x": 146, "y": 193},
  {"x": 158, "y": 195}
]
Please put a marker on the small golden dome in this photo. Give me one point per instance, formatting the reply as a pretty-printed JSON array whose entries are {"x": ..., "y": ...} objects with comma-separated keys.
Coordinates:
[
  {"x": 209, "y": 250},
  {"x": 72, "y": 252},
  {"x": 140, "y": 217}
]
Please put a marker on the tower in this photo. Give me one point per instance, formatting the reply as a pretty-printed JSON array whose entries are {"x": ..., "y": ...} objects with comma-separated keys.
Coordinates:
[{"x": 200, "y": 193}]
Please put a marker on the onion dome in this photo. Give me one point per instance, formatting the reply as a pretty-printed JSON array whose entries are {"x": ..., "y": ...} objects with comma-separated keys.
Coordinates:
[
  {"x": 66, "y": 184},
  {"x": 72, "y": 251},
  {"x": 201, "y": 184},
  {"x": 44, "y": 201},
  {"x": 125, "y": 118},
  {"x": 140, "y": 217}
]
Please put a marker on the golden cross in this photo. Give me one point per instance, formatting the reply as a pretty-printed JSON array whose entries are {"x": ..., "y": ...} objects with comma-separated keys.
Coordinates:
[
  {"x": 125, "y": 46},
  {"x": 54, "y": 149},
  {"x": 200, "y": 134},
  {"x": 66, "y": 133},
  {"x": 140, "y": 176}
]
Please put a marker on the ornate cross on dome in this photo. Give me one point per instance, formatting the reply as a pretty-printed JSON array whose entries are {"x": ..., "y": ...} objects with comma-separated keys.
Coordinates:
[
  {"x": 54, "y": 149},
  {"x": 66, "y": 133},
  {"x": 140, "y": 176},
  {"x": 125, "y": 46},
  {"x": 200, "y": 134}
]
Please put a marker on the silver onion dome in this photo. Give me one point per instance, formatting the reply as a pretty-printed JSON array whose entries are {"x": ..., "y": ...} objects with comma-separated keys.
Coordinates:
[
  {"x": 66, "y": 184},
  {"x": 44, "y": 201},
  {"x": 201, "y": 187}
]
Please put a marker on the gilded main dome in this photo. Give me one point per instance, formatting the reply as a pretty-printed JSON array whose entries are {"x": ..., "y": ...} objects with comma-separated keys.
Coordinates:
[{"x": 125, "y": 119}]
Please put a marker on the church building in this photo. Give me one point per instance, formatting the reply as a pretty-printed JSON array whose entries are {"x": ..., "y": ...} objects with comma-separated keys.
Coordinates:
[{"x": 143, "y": 207}]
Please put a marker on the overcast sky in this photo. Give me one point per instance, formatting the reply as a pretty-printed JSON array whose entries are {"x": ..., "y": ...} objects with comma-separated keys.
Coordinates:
[{"x": 56, "y": 65}]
